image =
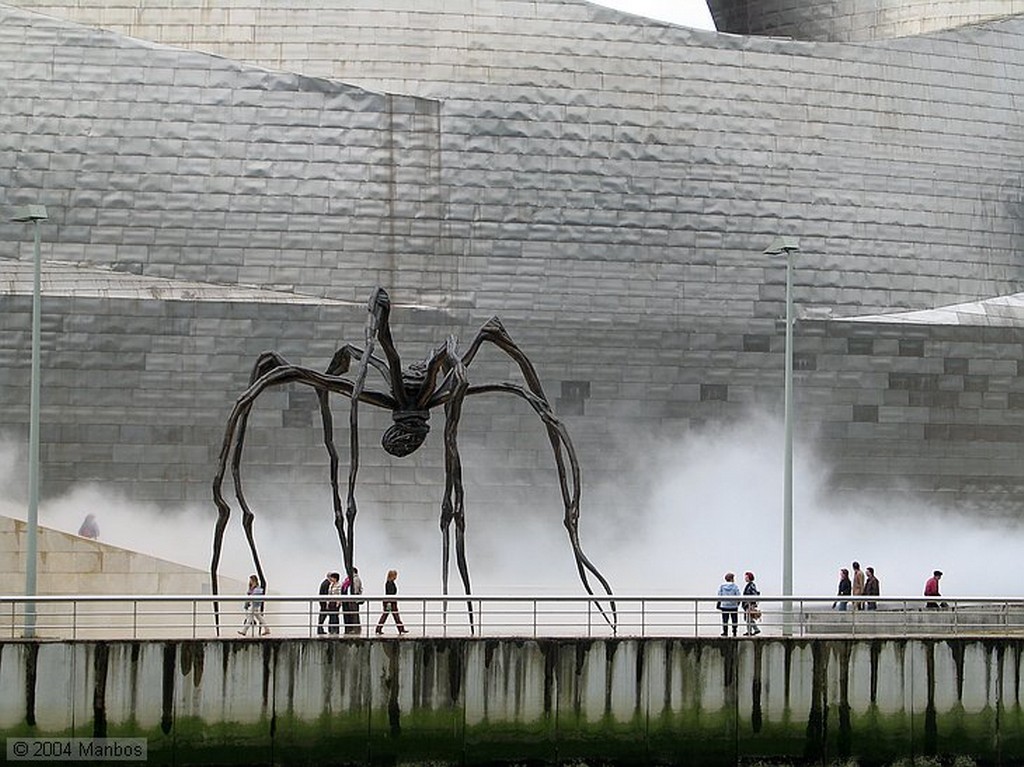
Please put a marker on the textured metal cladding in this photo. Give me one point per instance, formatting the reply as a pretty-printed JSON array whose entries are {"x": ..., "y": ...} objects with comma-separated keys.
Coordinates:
[
  {"x": 604, "y": 184},
  {"x": 558, "y": 168},
  {"x": 850, "y": 20}
]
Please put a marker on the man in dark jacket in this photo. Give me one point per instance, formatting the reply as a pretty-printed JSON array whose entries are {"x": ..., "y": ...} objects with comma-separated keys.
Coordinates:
[
  {"x": 872, "y": 588},
  {"x": 325, "y": 587}
]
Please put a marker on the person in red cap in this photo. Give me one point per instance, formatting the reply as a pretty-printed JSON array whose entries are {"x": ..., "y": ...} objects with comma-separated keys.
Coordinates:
[
  {"x": 931, "y": 589},
  {"x": 750, "y": 610}
]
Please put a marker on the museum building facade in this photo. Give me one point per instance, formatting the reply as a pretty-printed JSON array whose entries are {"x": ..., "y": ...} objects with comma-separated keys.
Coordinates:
[{"x": 223, "y": 181}]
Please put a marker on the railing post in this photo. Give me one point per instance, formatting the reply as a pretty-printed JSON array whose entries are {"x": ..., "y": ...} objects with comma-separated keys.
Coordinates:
[
  {"x": 534, "y": 618},
  {"x": 74, "y": 619}
]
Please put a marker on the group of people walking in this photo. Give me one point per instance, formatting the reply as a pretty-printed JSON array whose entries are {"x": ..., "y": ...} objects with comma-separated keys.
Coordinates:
[
  {"x": 729, "y": 604},
  {"x": 340, "y": 599},
  {"x": 349, "y": 608},
  {"x": 336, "y": 589},
  {"x": 864, "y": 583}
]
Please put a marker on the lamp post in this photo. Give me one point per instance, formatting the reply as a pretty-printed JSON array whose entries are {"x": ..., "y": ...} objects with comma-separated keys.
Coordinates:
[
  {"x": 787, "y": 245},
  {"x": 35, "y": 214}
]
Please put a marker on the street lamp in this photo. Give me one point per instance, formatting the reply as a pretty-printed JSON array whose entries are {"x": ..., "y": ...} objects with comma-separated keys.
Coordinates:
[
  {"x": 35, "y": 214},
  {"x": 787, "y": 245}
]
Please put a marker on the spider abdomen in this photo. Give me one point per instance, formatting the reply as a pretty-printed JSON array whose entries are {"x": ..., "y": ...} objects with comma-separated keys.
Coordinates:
[{"x": 407, "y": 433}]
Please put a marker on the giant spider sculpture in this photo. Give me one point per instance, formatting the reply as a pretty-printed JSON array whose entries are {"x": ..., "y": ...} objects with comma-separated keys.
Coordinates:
[{"x": 410, "y": 394}]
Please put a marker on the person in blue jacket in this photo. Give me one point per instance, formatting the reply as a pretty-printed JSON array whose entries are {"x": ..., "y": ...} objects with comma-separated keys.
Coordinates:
[{"x": 729, "y": 607}]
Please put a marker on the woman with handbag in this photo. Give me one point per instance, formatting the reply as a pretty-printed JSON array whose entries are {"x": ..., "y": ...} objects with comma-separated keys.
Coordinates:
[
  {"x": 750, "y": 609},
  {"x": 254, "y": 609}
]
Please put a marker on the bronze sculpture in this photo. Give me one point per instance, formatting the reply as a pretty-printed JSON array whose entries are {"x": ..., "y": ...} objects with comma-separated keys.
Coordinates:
[{"x": 411, "y": 393}]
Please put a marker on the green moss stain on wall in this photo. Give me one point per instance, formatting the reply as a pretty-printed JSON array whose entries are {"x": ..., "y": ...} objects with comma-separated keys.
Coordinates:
[{"x": 467, "y": 701}]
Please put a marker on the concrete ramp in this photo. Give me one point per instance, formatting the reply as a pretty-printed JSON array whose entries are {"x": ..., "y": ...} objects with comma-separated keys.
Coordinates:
[{"x": 71, "y": 565}]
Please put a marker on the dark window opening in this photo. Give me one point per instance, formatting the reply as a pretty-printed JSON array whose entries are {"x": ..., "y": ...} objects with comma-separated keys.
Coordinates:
[
  {"x": 805, "y": 361},
  {"x": 301, "y": 405},
  {"x": 954, "y": 366},
  {"x": 912, "y": 347},
  {"x": 865, "y": 413},
  {"x": 976, "y": 383},
  {"x": 757, "y": 343},
  {"x": 574, "y": 394},
  {"x": 714, "y": 392},
  {"x": 860, "y": 346}
]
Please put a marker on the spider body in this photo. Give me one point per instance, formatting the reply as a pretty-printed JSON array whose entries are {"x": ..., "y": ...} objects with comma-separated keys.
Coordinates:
[
  {"x": 410, "y": 393},
  {"x": 408, "y": 432}
]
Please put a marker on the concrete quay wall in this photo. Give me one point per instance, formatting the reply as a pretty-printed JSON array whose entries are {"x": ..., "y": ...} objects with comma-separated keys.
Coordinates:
[{"x": 471, "y": 701}]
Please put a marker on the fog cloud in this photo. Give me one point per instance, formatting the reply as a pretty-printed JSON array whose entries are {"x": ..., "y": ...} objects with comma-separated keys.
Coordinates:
[{"x": 690, "y": 509}]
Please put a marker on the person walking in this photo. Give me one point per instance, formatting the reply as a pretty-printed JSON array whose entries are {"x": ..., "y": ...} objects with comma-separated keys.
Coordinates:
[
  {"x": 350, "y": 608},
  {"x": 729, "y": 607},
  {"x": 325, "y": 587},
  {"x": 390, "y": 606},
  {"x": 857, "y": 586},
  {"x": 844, "y": 589},
  {"x": 333, "y": 602},
  {"x": 254, "y": 609},
  {"x": 931, "y": 589},
  {"x": 750, "y": 609},
  {"x": 872, "y": 588}
]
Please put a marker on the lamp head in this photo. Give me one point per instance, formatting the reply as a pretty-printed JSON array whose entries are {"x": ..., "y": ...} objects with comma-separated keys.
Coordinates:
[
  {"x": 783, "y": 244},
  {"x": 30, "y": 213}
]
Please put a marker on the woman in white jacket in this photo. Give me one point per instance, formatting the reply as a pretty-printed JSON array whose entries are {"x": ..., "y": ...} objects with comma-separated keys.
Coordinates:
[{"x": 254, "y": 610}]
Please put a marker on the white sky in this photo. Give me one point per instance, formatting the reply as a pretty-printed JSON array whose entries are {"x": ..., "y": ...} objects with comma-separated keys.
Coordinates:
[{"x": 690, "y": 13}]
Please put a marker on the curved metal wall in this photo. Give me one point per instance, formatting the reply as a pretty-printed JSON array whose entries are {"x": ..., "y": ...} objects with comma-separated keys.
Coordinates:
[
  {"x": 607, "y": 185},
  {"x": 644, "y": 144},
  {"x": 850, "y": 20}
]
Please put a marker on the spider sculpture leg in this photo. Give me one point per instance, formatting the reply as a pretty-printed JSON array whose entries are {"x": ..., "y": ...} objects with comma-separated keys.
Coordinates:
[
  {"x": 453, "y": 506},
  {"x": 234, "y": 440},
  {"x": 266, "y": 362},
  {"x": 562, "y": 447},
  {"x": 339, "y": 366},
  {"x": 377, "y": 329}
]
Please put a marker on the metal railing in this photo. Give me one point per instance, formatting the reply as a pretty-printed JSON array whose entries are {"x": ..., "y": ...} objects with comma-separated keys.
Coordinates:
[{"x": 193, "y": 616}]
